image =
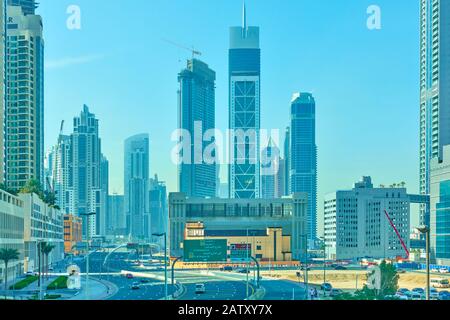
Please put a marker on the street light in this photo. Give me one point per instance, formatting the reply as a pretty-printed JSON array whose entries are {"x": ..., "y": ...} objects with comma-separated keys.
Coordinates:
[
  {"x": 164, "y": 234},
  {"x": 87, "y": 215},
  {"x": 426, "y": 230}
]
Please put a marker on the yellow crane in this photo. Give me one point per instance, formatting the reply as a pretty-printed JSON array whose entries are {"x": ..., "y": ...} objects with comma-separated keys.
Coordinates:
[{"x": 192, "y": 50}]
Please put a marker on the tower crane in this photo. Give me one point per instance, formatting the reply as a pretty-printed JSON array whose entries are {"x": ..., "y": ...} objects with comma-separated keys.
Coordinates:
[{"x": 192, "y": 50}]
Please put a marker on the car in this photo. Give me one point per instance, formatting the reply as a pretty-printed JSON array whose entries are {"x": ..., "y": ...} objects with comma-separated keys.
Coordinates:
[
  {"x": 243, "y": 270},
  {"x": 401, "y": 271},
  {"x": 326, "y": 286},
  {"x": 444, "y": 295},
  {"x": 129, "y": 276},
  {"x": 335, "y": 292},
  {"x": 200, "y": 288},
  {"x": 401, "y": 297},
  {"x": 434, "y": 270},
  {"x": 443, "y": 270},
  {"x": 403, "y": 290},
  {"x": 145, "y": 281},
  {"x": 227, "y": 268},
  {"x": 419, "y": 291},
  {"x": 135, "y": 286},
  {"x": 31, "y": 273},
  {"x": 415, "y": 296},
  {"x": 340, "y": 268}
]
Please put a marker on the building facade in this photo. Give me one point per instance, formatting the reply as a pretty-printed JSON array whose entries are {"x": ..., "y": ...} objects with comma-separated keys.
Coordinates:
[
  {"x": 287, "y": 161},
  {"x": 303, "y": 155},
  {"x": 3, "y": 8},
  {"x": 244, "y": 111},
  {"x": 136, "y": 182},
  {"x": 61, "y": 173},
  {"x": 356, "y": 225},
  {"x": 440, "y": 208},
  {"x": 239, "y": 214},
  {"x": 434, "y": 88},
  {"x": 85, "y": 171},
  {"x": 72, "y": 233},
  {"x": 12, "y": 233},
  {"x": 196, "y": 115},
  {"x": 270, "y": 165},
  {"x": 116, "y": 223},
  {"x": 24, "y": 109},
  {"x": 28, "y": 6},
  {"x": 41, "y": 224},
  {"x": 158, "y": 207}
]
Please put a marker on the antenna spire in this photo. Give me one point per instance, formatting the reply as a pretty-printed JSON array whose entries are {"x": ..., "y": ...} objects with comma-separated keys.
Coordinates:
[{"x": 244, "y": 19}]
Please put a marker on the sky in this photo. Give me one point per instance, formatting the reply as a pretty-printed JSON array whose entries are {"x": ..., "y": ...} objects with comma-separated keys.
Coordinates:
[{"x": 365, "y": 82}]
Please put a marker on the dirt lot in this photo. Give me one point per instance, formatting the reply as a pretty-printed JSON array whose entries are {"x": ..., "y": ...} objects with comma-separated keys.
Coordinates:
[{"x": 349, "y": 279}]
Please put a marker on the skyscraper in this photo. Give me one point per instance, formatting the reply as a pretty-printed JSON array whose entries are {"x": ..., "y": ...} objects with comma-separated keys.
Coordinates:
[
  {"x": 2, "y": 85},
  {"x": 244, "y": 113},
  {"x": 28, "y": 6},
  {"x": 116, "y": 221},
  {"x": 434, "y": 88},
  {"x": 304, "y": 154},
  {"x": 158, "y": 207},
  {"x": 24, "y": 111},
  {"x": 196, "y": 115},
  {"x": 287, "y": 161},
  {"x": 136, "y": 183},
  {"x": 85, "y": 182},
  {"x": 61, "y": 172},
  {"x": 104, "y": 193},
  {"x": 270, "y": 169}
]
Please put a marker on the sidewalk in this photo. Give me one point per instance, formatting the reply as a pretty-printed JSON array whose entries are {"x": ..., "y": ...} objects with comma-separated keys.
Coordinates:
[{"x": 98, "y": 290}]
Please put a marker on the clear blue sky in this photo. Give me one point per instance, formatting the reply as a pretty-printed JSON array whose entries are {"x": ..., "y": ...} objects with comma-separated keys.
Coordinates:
[{"x": 365, "y": 83}]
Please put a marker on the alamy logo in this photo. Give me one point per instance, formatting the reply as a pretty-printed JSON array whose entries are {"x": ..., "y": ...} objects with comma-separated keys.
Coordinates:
[
  {"x": 374, "y": 19},
  {"x": 74, "y": 20}
]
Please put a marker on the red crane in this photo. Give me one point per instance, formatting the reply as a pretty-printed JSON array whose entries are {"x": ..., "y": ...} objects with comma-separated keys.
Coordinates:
[{"x": 398, "y": 234}]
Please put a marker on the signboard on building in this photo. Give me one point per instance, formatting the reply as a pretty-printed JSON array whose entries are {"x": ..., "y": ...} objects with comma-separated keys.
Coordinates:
[
  {"x": 240, "y": 252},
  {"x": 205, "y": 250}
]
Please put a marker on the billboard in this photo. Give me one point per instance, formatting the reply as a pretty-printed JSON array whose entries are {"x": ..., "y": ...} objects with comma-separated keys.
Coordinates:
[
  {"x": 206, "y": 250},
  {"x": 240, "y": 251}
]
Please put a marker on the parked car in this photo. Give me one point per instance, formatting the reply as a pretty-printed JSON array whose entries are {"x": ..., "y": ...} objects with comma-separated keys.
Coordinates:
[
  {"x": 326, "y": 286},
  {"x": 227, "y": 268},
  {"x": 243, "y": 270},
  {"x": 129, "y": 276},
  {"x": 335, "y": 292},
  {"x": 444, "y": 295},
  {"x": 443, "y": 270},
  {"x": 145, "y": 280},
  {"x": 415, "y": 296},
  {"x": 403, "y": 290},
  {"x": 419, "y": 291},
  {"x": 200, "y": 288}
]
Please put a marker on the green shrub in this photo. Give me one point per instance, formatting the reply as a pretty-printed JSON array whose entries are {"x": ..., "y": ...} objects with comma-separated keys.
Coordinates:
[
  {"x": 23, "y": 283},
  {"x": 58, "y": 283}
]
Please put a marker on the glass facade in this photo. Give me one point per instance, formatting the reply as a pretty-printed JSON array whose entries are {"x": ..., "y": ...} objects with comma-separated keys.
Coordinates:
[{"x": 443, "y": 221}]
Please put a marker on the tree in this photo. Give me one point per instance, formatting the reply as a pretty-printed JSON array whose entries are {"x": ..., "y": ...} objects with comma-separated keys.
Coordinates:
[
  {"x": 46, "y": 250},
  {"x": 33, "y": 186},
  {"x": 7, "y": 255}
]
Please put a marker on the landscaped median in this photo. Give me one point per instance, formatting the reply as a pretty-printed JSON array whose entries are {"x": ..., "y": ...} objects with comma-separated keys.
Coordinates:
[
  {"x": 58, "y": 283},
  {"x": 23, "y": 283}
]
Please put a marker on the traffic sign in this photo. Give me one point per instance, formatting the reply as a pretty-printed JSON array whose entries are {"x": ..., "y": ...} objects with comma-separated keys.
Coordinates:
[
  {"x": 240, "y": 252},
  {"x": 206, "y": 250}
]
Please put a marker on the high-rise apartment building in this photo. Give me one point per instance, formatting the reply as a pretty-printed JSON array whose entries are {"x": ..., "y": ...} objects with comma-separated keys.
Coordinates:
[
  {"x": 136, "y": 182},
  {"x": 104, "y": 193},
  {"x": 196, "y": 115},
  {"x": 303, "y": 154},
  {"x": 24, "y": 109},
  {"x": 85, "y": 163},
  {"x": 287, "y": 161},
  {"x": 269, "y": 170},
  {"x": 434, "y": 88},
  {"x": 244, "y": 111},
  {"x": 61, "y": 173},
  {"x": 28, "y": 6},
  {"x": 2, "y": 85},
  {"x": 158, "y": 207},
  {"x": 116, "y": 220}
]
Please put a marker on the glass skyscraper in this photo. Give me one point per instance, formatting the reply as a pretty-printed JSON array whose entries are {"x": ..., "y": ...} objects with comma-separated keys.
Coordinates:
[
  {"x": 136, "y": 185},
  {"x": 244, "y": 111},
  {"x": 28, "y": 6},
  {"x": 2, "y": 85},
  {"x": 24, "y": 110},
  {"x": 303, "y": 152},
  {"x": 434, "y": 88},
  {"x": 196, "y": 115}
]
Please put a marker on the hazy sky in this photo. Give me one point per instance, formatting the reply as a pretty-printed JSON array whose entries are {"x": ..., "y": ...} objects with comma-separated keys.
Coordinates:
[{"x": 365, "y": 82}]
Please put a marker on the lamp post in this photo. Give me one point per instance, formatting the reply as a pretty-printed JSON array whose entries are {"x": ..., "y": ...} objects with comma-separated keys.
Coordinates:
[
  {"x": 88, "y": 238},
  {"x": 164, "y": 234},
  {"x": 426, "y": 230}
]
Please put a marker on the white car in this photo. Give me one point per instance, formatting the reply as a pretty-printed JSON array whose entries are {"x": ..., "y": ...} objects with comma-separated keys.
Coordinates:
[
  {"x": 443, "y": 270},
  {"x": 200, "y": 288}
]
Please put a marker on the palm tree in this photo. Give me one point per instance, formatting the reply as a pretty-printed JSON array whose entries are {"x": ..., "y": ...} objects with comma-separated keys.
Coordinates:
[
  {"x": 46, "y": 250},
  {"x": 7, "y": 255}
]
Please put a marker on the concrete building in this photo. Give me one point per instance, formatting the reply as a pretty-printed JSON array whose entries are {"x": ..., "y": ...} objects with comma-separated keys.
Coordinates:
[
  {"x": 440, "y": 208},
  {"x": 303, "y": 155},
  {"x": 434, "y": 88},
  {"x": 12, "y": 233},
  {"x": 28, "y": 6},
  {"x": 196, "y": 115},
  {"x": 356, "y": 225},
  {"x": 24, "y": 109},
  {"x": 85, "y": 171},
  {"x": 239, "y": 214},
  {"x": 136, "y": 182},
  {"x": 72, "y": 232},
  {"x": 265, "y": 245},
  {"x": 245, "y": 111},
  {"x": 41, "y": 224}
]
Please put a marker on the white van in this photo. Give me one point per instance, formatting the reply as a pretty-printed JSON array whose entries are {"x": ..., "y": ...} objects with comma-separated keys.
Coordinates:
[{"x": 440, "y": 283}]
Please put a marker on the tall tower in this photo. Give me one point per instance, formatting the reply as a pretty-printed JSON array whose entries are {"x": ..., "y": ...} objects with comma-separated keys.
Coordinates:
[
  {"x": 434, "y": 88},
  {"x": 2, "y": 86},
  {"x": 244, "y": 111},
  {"x": 28, "y": 6},
  {"x": 304, "y": 154},
  {"x": 136, "y": 182},
  {"x": 196, "y": 115},
  {"x": 24, "y": 110},
  {"x": 85, "y": 169}
]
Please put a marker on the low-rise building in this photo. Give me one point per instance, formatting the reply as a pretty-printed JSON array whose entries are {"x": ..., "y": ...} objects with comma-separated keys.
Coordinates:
[
  {"x": 72, "y": 232},
  {"x": 356, "y": 223},
  {"x": 41, "y": 224},
  {"x": 233, "y": 217},
  {"x": 11, "y": 233},
  {"x": 264, "y": 245}
]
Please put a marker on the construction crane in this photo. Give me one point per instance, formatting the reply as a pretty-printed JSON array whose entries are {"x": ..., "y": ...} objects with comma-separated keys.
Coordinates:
[
  {"x": 192, "y": 50},
  {"x": 398, "y": 234}
]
